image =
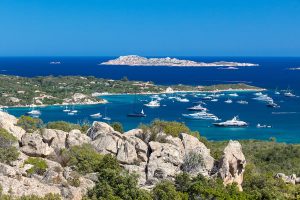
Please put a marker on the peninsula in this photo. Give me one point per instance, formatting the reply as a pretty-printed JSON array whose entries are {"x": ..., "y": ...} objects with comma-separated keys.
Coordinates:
[
  {"x": 19, "y": 91},
  {"x": 134, "y": 60}
]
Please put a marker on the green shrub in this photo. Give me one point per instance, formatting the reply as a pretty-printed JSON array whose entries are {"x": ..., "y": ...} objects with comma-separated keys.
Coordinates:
[
  {"x": 30, "y": 124},
  {"x": 117, "y": 126},
  {"x": 84, "y": 158},
  {"x": 166, "y": 190},
  {"x": 6, "y": 139},
  {"x": 39, "y": 166},
  {"x": 114, "y": 183},
  {"x": 63, "y": 126},
  {"x": 8, "y": 153}
]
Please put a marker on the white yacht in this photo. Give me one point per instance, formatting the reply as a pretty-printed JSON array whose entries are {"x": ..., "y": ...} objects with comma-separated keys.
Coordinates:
[
  {"x": 234, "y": 95},
  {"x": 289, "y": 94},
  {"x": 182, "y": 100},
  {"x": 197, "y": 108},
  {"x": 201, "y": 115},
  {"x": 34, "y": 112},
  {"x": 272, "y": 104},
  {"x": 228, "y": 101},
  {"x": 258, "y": 94},
  {"x": 242, "y": 102},
  {"x": 96, "y": 115},
  {"x": 214, "y": 100},
  {"x": 263, "y": 97},
  {"x": 153, "y": 104},
  {"x": 234, "y": 122}
]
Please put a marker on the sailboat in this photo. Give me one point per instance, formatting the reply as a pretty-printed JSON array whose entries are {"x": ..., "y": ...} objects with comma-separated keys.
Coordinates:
[
  {"x": 105, "y": 116},
  {"x": 135, "y": 113},
  {"x": 34, "y": 112},
  {"x": 66, "y": 109}
]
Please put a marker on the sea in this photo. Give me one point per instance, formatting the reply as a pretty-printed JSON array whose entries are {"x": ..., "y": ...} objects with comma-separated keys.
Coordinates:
[{"x": 272, "y": 74}]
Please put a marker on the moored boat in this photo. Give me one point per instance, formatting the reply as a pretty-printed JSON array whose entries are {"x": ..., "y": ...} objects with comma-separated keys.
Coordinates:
[{"x": 234, "y": 122}]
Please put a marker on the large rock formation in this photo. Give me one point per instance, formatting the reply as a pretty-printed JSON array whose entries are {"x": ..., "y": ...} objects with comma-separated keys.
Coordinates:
[
  {"x": 138, "y": 152},
  {"x": 232, "y": 164}
]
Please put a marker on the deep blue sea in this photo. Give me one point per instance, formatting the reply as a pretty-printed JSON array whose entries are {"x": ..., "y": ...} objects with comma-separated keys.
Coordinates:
[{"x": 272, "y": 74}]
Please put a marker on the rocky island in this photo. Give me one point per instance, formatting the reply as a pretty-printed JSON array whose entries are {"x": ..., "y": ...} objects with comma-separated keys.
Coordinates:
[{"x": 134, "y": 60}]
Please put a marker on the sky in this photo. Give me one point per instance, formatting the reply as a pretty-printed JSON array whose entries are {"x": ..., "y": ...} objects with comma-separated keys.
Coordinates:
[{"x": 150, "y": 27}]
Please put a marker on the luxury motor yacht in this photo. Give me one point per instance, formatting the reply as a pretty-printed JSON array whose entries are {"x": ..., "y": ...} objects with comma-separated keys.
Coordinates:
[
  {"x": 263, "y": 97},
  {"x": 197, "y": 108},
  {"x": 214, "y": 100},
  {"x": 153, "y": 104},
  {"x": 234, "y": 122},
  {"x": 201, "y": 115}
]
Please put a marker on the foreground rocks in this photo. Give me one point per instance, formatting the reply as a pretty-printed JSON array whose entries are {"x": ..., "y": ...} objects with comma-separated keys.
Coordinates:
[
  {"x": 292, "y": 179},
  {"x": 152, "y": 159}
]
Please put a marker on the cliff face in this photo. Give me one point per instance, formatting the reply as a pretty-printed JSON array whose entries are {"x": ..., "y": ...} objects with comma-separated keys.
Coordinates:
[{"x": 152, "y": 160}]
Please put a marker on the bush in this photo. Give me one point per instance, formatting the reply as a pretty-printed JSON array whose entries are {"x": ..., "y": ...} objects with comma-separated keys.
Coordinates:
[
  {"x": 39, "y": 166},
  {"x": 192, "y": 162},
  {"x": 8, "y": 153},
  {"x": 30, "y": 124},
  {"x": 117, "y": 126},
  {"x": 84, "y": 158},
  {"x": 167, "y": 191},
  {"x": 63, "y": 126},
  {"x": 170, "y": 128},
  {"x": 114, "y": 183}
]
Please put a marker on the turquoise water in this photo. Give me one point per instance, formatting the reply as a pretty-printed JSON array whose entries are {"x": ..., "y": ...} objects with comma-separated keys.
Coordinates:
[
  {"x": 285, "y": 121},
  {"x": 271, "y": 74}
]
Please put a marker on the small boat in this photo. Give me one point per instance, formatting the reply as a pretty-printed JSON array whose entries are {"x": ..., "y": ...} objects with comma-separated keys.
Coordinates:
[
  {"x": 263, "y": 97},
  {"x": 234, "y": 95},
  {"x": 289, "y": 94},
  {"x": 34, "y": 112},
  {"x": 258, "y": 94},
  {"x": 214, "y": 100},
  {"x": 96, "y": 115},
  {"x": 272, "y": 104},
  {"x": 55, "y": 63},
  {"x": 197, "y": 108},
  {"x": 153, "y": 104},
  {"x": 201, "y": 115},
  {"x": 228, "y": 101},
  {"x": 234, "y": 122},
  {"x": 199, "y": 102},
  {"x": 207, "y": 98},
  {"x": 71, "y": 113},
  {"x": 263, "y": 126},
  {"x": 277, "y": 92},
  {"x": 137, "y": 114},
  {"x": 182, "y": 100},
  {"x": 242, "y": 102},
  {"x": 105, "y": 116}
]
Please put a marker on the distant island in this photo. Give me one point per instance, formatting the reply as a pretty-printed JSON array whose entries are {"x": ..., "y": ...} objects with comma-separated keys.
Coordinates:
[
  {"x": 134, "y": 60},
  {"x": 16, "y": 91}
]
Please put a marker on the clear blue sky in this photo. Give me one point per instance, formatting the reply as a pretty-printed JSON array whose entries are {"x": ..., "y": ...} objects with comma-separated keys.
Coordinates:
[{"x": 150, "y": 27}]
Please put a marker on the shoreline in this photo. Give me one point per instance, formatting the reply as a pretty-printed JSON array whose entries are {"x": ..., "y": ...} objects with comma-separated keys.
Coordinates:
[{"x": 141, "y": 93}]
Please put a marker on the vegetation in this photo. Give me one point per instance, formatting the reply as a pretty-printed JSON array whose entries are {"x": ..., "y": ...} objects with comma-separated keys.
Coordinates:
[
  {"x": 117, "y": 126},
  {"x": 66, "y": 126},
  {"x": 30, "y": 124},
  {"x": 116, "y": 184},
  {"x": 39, "y": 166},
  {"x": 49, "y": 90},
  {"x": 170, "y": 128},
  {"x": 8, "y": 152},
  {"x": 84, "y": 158}
]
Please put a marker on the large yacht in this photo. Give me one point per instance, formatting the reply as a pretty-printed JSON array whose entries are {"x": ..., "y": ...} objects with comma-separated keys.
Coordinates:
[
  {"x": 183, "y": 100},
  {"x": 201, "y": 115},
  {"x": 197, "y": 108},
  {"x": 153, "y": 104},
  {"x": 235, "y": 122},
  {"x": 289, "y": 94},
  {"x": 228, "y": 101}
]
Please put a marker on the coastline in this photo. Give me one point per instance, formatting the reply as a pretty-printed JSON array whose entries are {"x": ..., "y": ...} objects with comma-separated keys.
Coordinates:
[{"x": 140, "y": 93}]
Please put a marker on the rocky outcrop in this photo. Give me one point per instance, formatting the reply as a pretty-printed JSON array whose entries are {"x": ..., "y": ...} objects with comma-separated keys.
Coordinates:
[
  {"x": 232, "y": 164},
  {"x": 32, "y": 144},
  {"x": 8, "y": 122},
  {"x": 292, "y": 179},
  {"x": 152, "y": 158}
]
